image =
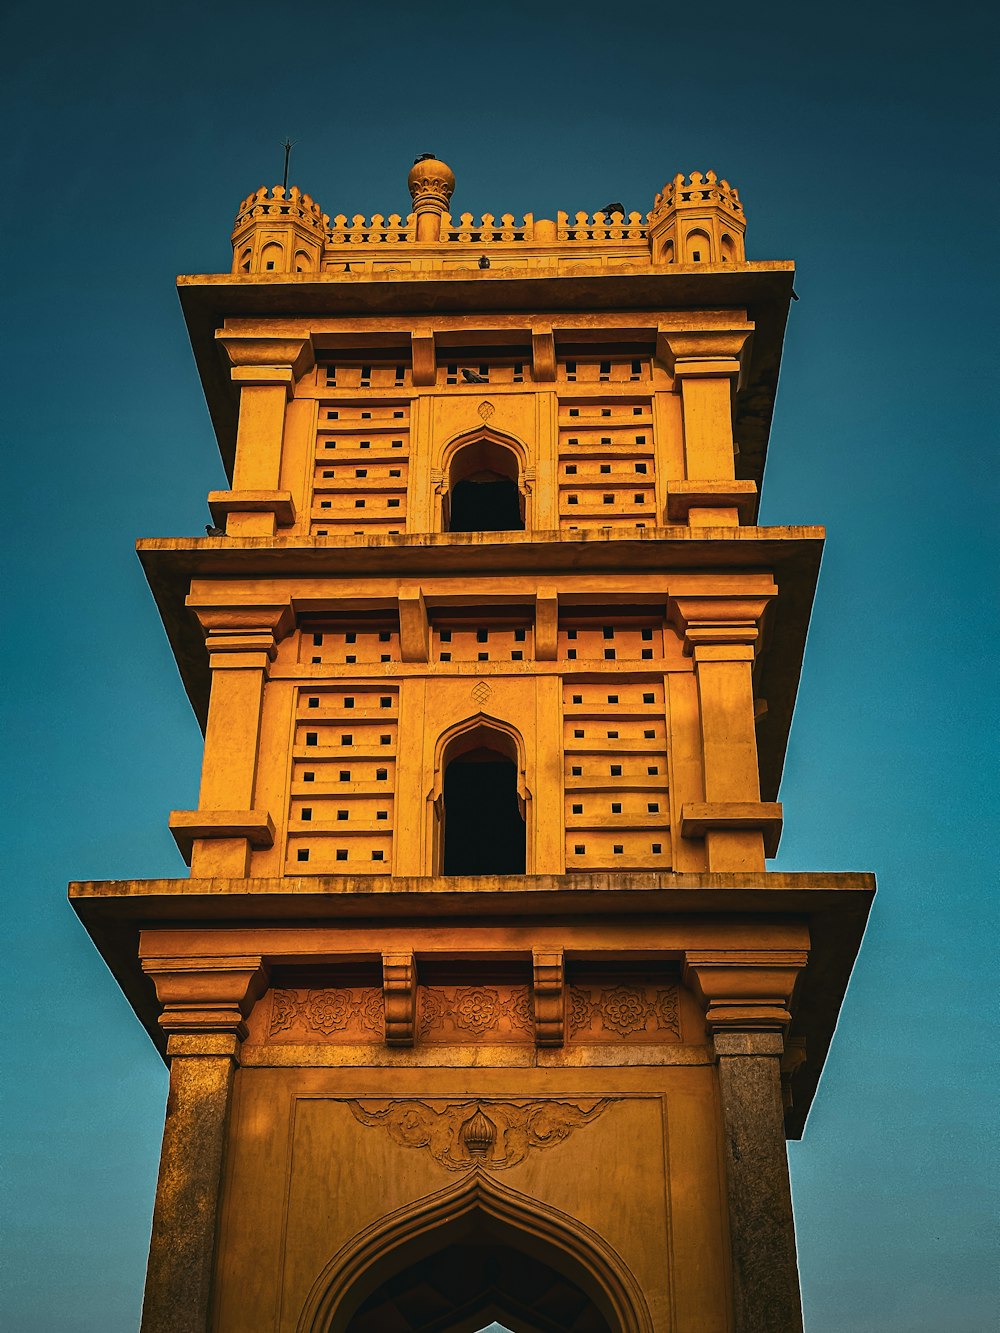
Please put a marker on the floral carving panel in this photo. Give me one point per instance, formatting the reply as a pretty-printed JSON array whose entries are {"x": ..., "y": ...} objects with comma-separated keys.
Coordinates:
[
  {"x": 341, "y": 1013},
  {"x": 462, "y": 1014},
  {"x": 494, "y": 1134},
  {"x": 624, "y": 1013}
]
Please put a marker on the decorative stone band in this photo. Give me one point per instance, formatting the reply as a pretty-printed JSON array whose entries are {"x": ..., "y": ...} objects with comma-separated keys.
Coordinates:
[
  {"x": 256, "y": 826},
  {"x": 699, "y": 818},
  {"x": 205, "y": 995},
  {"x": 279, "y": 503},
  {"x": 745, "y": 990}
]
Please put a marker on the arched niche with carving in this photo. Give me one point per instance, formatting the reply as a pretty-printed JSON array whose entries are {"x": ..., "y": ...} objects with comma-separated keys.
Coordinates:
[
  {"x": 471, "y": 743},
  {"x": 484, "y": 486},
  {"x": 477, "y": 1209}
]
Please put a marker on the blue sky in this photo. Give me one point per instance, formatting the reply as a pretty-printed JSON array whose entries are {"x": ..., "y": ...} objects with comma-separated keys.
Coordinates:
[{"x": 859, "y": 139}]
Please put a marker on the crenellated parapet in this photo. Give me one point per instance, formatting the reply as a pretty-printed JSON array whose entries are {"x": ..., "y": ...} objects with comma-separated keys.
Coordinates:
[
  {"x": 697, "y": 220},
  {"x": 694, "y": 220}
]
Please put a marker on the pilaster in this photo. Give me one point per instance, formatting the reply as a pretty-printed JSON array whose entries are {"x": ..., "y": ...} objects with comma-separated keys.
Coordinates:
[
  {"x": 217, "y": 838},
  {"x": 706, "y": 364},
  {"x": 205, "y": 1001},
  {"x": 721, "y": 634},
  {"x": 747, "y": 996},
  {"x": 265, "y": 371}
]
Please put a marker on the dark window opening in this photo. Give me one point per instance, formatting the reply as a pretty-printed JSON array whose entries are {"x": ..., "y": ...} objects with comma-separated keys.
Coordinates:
[
  {"x": 487, "y": 502},
  {"x": 484, "y": 829}
]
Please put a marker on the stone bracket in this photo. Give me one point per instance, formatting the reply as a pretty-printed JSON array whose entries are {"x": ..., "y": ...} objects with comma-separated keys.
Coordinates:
[
  {"x": 274, "y": 619},
  {"x": 266, "y": 360},
  {"x": 399, "y": 992},
  {"x": 206, "y": 995},
  {"x": 701, "y": 817},
  {"x": 683, "y": 496},
  {"x": 256, "y": 826},
  {"x": 745, "y": 991},
  {"x": 424, "y": 358},
  {"x": 546, "y": 624},
  {"x": 549, "y": 997},
  {"x": 722, "y": 619},
  {"x": 414, "y": 631},
  {"x": 279, "y": 503},
  {"x": 543, "y": 354}
]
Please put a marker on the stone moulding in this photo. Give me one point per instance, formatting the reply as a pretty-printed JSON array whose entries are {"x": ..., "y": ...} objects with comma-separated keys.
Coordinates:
[{"x": 492, "y": 1134}]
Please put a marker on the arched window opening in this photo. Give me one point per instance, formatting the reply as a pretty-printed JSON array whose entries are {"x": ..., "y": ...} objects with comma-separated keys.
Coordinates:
[
  {"x": 728, "y": 249},
  {"x": 468, "y": 1285},
  {"x": 483, "y": 492},
  {"x": 699, "y": 247},
  {"x": 483, "y": 818}
]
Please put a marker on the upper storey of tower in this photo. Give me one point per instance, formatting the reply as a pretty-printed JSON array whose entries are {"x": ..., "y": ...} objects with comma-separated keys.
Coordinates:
[{"x": 560, "y": 305}]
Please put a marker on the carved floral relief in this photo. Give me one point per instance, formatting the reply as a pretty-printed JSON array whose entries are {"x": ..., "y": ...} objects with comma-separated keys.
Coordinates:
[
  {"x": 350, "y": 1013},
  {"x": 472, "y": 1013},
  {"x": 624, "y": 1013},
  {"x": 493, "y": 1134}
]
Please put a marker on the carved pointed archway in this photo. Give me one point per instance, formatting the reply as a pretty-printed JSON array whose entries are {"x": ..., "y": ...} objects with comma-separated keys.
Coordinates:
[{"x": 478, "y": 1209}]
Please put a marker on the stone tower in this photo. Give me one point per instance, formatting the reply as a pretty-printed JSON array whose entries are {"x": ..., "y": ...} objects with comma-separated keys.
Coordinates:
[{"x": 479, "y": 1001}]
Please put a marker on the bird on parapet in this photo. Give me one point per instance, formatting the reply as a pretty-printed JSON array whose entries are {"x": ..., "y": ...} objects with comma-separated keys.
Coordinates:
[
  {"x": 212, "y": 531},
  {"x": 471, "y": 377},
  {"x": 616, "y": 207},
  {"x": 483, "y": 262}
]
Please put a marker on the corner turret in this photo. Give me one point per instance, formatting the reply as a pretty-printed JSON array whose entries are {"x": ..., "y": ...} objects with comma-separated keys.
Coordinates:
[
  {"x": 279, "y": 230},
  {"x": 697, "y": 221}
]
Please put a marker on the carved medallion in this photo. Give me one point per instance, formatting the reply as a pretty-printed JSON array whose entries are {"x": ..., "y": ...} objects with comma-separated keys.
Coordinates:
[
  {"x": 497, "y": 1135},
  {"x": 481, "y": 692},
  {"x": 486, "y": 409}
]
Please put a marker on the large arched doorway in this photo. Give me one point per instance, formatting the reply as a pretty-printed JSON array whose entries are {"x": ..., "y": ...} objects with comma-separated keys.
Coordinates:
[
  {"x": 484, "y": 494},
  {"x": 466, "y": 1286},
  {"x": 475, "y": 1252},
  {"x": 481, "y": 810}
]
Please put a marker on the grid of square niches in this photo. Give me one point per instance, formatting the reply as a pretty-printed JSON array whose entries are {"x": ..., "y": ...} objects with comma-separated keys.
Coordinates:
[
  {"x": 355, "y": 644},
  {"x": 340, "y": 814},
  {"x": 501, "y": 639},
  {"x": 615, "y": 749},
  {"x": 360, "y": 475},
  {"x": 606, "y": 465},
  {"x": 611, "y": 368}
]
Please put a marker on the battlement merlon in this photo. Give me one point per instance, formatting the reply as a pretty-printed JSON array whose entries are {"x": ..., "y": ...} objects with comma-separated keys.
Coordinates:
[{"x": 695, "y": 220}]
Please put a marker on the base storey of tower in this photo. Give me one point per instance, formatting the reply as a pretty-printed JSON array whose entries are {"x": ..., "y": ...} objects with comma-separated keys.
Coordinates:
[{"x": 362, "y": 1113}]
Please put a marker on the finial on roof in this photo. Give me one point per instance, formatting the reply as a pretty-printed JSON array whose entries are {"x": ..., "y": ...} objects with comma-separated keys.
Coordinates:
[{"x": 431, "y": 183}]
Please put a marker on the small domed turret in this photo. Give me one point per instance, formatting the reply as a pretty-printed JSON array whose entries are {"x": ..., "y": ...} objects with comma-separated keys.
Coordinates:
[
  {"x": 432, "y": 184},
  {"x": 697, "y": 221}
]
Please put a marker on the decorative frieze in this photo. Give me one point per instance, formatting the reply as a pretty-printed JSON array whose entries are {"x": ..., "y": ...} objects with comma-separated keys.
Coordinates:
[
  {"x": 624, "y": 1013},
  {"x": 346, "y": 1013},
  {"x": 474, "y": 1013},
  {"x": 493, "y": 1134}
]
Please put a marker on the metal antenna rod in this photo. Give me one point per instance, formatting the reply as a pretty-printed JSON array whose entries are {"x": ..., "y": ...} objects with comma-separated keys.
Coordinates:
[{"x": 287, "y": 145}]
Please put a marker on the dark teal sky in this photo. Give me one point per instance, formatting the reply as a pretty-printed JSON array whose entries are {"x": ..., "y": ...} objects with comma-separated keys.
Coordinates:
[{"x": 859, "y": 136}]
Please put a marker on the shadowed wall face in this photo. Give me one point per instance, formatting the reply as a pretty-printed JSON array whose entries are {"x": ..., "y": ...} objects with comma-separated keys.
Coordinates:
[{"x": 484, "y": 829}]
